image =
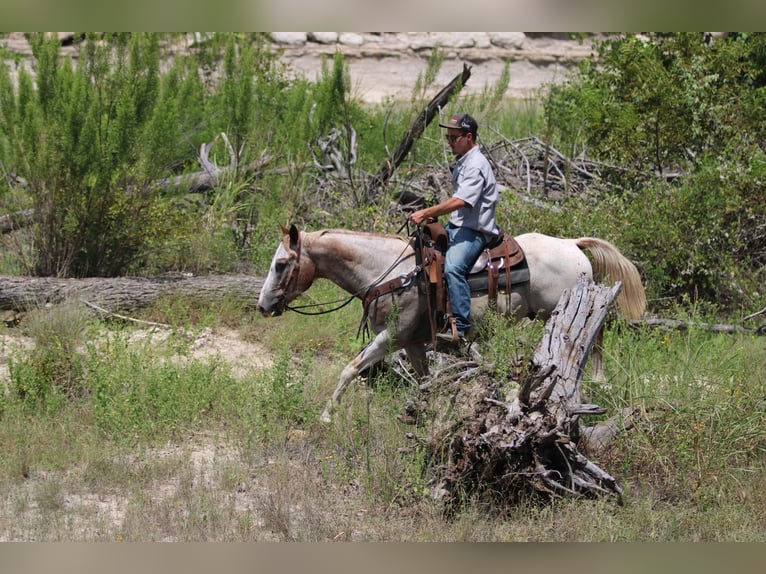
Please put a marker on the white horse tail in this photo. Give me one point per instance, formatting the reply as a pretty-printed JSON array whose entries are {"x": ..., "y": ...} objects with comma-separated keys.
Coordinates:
[{"x": 611, "y": 265}]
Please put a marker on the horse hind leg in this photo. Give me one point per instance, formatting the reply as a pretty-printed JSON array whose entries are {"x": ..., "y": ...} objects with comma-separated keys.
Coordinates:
[
  {"x": 373, "y": 353},
  {"x": 597, "y": 359}
]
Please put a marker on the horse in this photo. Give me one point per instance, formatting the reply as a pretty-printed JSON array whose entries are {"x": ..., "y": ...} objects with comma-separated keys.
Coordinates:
[{"x": 358, "y": 262}]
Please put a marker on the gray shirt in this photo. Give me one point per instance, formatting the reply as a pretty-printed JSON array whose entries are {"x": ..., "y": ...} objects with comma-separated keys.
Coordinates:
[{"x": 473, "y": 181}]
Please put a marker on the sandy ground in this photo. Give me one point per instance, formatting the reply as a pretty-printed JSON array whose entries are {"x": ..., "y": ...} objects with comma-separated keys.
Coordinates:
[{"x": 376, "y": 79}]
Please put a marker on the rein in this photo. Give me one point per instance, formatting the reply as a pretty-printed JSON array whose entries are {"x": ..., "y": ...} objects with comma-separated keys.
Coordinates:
[{"x": 323, "y": 312}]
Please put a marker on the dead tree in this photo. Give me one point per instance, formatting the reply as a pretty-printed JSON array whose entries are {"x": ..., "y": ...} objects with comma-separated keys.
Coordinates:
[
  {"x": 212, "y": 175},
  {"x": 416, "y": 130},
  {"x": 123, "y": 293},
  {"x": 533, "y": 437}
]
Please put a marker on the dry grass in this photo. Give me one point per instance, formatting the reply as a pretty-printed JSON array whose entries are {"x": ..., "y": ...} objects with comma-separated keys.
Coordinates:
[{"x": 261, "y": 467}]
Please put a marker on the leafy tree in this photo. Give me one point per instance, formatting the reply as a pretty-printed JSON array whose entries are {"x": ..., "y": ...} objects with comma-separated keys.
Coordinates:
[
  {"x": 77, "y": 138},
  {"x": 690, "y": 106}
]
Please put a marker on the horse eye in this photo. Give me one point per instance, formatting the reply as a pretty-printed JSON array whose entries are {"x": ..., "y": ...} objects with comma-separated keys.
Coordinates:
[{"x": 280, "y": 266}]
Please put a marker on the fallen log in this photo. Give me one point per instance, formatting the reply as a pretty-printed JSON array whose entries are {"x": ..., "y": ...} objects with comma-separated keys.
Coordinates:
[
  {"x": 124, "y": 293},
  {"x": 501, "y": 446}
]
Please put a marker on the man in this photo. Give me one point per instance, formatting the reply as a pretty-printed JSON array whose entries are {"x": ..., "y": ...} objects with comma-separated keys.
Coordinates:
[{"x": 472, "y": 221}]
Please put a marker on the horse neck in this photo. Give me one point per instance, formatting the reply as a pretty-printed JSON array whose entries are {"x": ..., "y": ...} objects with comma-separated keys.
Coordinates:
[{"x": 355, "y": 261}]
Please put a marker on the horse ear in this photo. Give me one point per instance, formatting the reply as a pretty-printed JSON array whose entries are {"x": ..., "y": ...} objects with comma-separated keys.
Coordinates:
[
  {"x": 284, "y": 229},
  {"x": 294, "y": 237}
]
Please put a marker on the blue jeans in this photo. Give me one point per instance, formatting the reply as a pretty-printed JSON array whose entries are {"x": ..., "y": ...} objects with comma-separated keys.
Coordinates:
[{"x": 465, "y": 246}]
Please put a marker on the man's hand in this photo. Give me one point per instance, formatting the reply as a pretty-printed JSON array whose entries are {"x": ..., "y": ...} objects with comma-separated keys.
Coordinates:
[{"x": 419, "y": 217}]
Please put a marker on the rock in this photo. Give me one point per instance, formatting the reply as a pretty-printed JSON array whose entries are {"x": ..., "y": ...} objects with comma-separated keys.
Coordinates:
[
  {"x": 513, "y": 40},
  {"x": 323, "y": 37},
  {"x": 386, "y": 65},
  {"x": 290, "y": 38},
  {"x": 350, "y": 39}
]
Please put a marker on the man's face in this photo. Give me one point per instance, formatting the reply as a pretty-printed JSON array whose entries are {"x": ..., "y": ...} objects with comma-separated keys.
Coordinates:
[{"x": 458, "y": 141}]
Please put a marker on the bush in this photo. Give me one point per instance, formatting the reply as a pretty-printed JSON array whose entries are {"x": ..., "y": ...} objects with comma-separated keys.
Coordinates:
[
  {"x": 53, "y": 371},
  {"x": 680, "y": 106}
]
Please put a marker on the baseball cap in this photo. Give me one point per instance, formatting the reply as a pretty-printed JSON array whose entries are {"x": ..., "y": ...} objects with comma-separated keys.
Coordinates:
[{"x": 461, "y": 122}]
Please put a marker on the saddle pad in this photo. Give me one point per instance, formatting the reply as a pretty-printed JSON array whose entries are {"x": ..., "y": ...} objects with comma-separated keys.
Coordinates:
[{"x": 479, "y": 282}]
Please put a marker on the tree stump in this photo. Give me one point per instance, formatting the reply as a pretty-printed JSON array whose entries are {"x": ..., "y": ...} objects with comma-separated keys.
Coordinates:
[{"x": 507, "y": 444}]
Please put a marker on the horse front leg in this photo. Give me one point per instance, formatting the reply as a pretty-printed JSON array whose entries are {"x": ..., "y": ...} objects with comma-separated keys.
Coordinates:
[
  {"x": 418, "y": 359},
  {"x": 373, "y": 353}
]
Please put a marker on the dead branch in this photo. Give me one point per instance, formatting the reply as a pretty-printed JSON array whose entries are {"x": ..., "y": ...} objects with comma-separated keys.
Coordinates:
[
  {"x": 498, "y": 439},
  {"x": 416, "y": 130},
  {"x": 678, "y": 325},
  {"x": 761, "y": 312},
  {"x": 212, "y": 174}
]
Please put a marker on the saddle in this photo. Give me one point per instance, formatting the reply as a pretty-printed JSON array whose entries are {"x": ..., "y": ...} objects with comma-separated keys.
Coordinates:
[{"x": 501, "y": 265}]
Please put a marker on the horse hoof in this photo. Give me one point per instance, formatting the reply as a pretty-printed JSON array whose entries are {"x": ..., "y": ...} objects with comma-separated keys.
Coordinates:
[{"x": 326, "y": 418}]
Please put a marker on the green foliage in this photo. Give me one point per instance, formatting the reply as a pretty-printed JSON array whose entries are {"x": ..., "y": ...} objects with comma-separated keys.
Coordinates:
[
  {"x": 93, "y": 139},
  {"x": 699, "y": 240},
  {"x": 276, "y": 401},
  {"x": 426, "y": 79},
  {"x": 53, "y": 371},
  {"x": 673, "y": 103},
  {"x": 704, "y": 405},
  {"x": 140, "y": 395},
  {"x": 694, "y": 457},
  {"x": 659, "y": 103},
  {"x": 76, "y": 139}
]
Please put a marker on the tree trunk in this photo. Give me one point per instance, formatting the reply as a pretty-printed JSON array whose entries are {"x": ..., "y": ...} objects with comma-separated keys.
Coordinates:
[{"x": 123, "y": 293}]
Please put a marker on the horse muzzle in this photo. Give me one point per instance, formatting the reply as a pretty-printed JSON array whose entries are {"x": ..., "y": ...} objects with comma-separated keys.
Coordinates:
[{"x": 272, "y": 309}]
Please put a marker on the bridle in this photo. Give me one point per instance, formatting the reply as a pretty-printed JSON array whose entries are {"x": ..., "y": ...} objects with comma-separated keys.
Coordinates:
[{"x": 291, "y": 281}]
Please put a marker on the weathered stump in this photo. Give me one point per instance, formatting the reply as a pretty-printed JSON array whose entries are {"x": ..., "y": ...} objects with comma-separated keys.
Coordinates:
[{"x": 507, "y": 444}]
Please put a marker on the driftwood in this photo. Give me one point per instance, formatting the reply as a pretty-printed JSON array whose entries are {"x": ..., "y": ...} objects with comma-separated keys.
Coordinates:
[
  {"x": 211, "y": 174},
  {"x": 416, "y": 130},
  {"x": 490, "y": 445},
  {"x": 123, "y": 293}
]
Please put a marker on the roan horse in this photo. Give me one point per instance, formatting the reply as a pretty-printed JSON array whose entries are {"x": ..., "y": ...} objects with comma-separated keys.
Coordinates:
[{"x": 360, "y": 261}]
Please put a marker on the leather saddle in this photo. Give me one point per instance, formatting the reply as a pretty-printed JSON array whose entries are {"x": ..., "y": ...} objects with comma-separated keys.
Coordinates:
[{"x": 501, "y": 265}]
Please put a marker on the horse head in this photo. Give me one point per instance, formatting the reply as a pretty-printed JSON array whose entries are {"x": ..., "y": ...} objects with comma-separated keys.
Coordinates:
[{"x": 290, "y": 274}]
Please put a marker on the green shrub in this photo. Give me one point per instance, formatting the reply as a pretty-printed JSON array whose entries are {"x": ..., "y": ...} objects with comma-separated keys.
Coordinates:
[
  {"x": 53, "y": 371},
  {"x": 679, "y": 104},
  {"x": 275, "y": 401},
  {"x": 140, "y": 395}
]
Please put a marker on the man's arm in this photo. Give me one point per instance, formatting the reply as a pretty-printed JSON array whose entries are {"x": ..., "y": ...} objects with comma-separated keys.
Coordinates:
[{"x": 443, "y": 208}]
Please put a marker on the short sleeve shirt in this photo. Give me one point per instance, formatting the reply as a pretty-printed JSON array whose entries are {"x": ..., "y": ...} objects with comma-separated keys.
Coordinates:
[{"x": 473, "y": 181}]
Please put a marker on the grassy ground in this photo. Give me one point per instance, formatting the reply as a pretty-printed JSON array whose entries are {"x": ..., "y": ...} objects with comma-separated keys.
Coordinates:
[{"x": 116, "y": 432}]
